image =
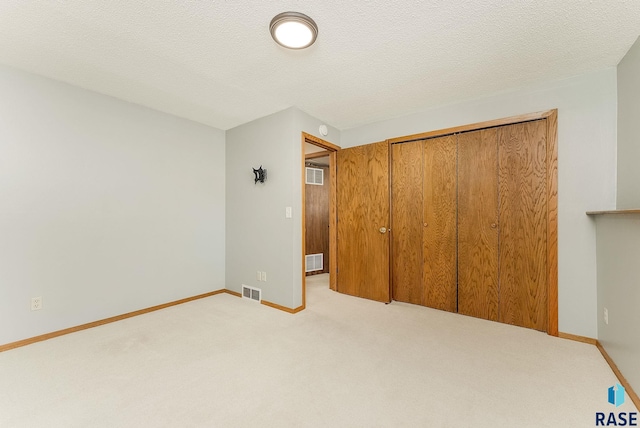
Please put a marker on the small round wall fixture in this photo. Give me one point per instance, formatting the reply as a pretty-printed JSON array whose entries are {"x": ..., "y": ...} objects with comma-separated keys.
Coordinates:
[{"x": 293, "y": 30}]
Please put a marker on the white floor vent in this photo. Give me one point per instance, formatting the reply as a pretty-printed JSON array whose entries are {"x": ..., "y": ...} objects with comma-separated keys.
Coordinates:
[
  {"x": 314, "y": 262},
  {"x": 251, "y": 293}
]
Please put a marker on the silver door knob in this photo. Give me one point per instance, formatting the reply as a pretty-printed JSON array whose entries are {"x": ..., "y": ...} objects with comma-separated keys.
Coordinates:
[{"x": 383, "y": 230}]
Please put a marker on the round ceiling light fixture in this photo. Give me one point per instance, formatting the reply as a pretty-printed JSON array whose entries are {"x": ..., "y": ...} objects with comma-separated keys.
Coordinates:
[{"x": 293, "y": 30}]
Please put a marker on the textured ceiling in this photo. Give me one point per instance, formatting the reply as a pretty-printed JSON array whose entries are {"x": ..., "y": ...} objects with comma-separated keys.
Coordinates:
[{"x": 213, "y": 61}]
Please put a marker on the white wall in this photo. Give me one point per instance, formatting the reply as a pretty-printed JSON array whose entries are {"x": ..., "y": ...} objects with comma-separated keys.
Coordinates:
[
  {"x": 105, "y": 207},
  {"x": 586, "y": 172},
  {"x": 629, "y": 129},
  {"x": 618, "y": 235},
  {"x": 259, "y": 237},
  {"x": 619, "y": 291}
]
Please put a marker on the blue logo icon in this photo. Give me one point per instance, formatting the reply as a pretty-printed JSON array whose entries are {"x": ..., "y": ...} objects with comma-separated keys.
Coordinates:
[{"x": 616, "y": 395}]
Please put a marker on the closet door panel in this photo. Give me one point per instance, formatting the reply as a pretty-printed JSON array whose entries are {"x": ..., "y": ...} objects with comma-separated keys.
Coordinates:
[
  {"x": 440, "y": 210},
  {"x": 406, "y": 229},
  {"x": 477, "y": 224},
  {"x": 378, "y": 247},
  {"x": 523, "y": 223}
]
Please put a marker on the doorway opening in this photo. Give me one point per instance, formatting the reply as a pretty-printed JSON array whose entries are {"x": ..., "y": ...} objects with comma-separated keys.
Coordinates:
[{"x": 319, "y": 233}]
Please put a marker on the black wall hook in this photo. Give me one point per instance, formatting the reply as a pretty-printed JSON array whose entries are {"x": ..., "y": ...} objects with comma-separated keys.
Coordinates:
[{"x": 260, "y": 175}]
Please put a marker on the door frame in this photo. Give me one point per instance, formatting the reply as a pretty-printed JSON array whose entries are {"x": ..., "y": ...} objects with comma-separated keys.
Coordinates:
[
  {"x": 552, "y": 193},
  {"x": 333, "y": 231}
]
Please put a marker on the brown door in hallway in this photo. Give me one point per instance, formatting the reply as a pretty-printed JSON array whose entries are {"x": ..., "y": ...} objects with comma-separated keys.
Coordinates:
[{"x": 363, "y": 221}]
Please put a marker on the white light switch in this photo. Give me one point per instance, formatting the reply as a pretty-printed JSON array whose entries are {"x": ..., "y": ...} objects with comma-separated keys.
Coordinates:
[{"x": 288, "y": 212}]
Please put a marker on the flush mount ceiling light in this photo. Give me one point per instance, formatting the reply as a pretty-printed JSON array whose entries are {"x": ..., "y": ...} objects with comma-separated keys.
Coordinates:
[{"x": 293, "y": 30}]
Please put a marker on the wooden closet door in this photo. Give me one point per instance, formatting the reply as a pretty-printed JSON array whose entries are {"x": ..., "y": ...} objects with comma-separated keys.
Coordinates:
[
  {"x": 407, "y": 224},
  {"x": 523, "y": 224},
  {"x": 477, "y": 223},
  {"x": 362, "y": 210},
  {"x": 439, "y": 227}
]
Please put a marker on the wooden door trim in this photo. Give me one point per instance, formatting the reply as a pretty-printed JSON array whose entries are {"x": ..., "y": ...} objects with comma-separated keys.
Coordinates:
[
  {"x": 317, "y": 154},
  {"x": 476, "y": 126},
  {"x": 390, "y": 220},
  {"x": 552, "y": 222},
  {"x": 331, "y": 149},
  {"x": 552, "y": 191},
  {"x": 308, "y": 138}
]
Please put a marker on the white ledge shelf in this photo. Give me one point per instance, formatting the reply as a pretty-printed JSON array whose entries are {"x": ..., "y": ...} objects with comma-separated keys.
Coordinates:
[{"x": 613, "y": 212}]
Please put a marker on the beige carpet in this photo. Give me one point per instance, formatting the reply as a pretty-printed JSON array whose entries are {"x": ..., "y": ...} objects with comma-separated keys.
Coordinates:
[{"x": 343, "y": 362}]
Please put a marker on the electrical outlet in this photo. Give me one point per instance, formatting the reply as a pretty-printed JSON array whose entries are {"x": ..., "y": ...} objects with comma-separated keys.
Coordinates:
[
  {"x": 264, "y": 276},
  {"x": 36, "y": 303},
  {"x": 259, "y": 275},
  {"x": 606, "y": 316}
]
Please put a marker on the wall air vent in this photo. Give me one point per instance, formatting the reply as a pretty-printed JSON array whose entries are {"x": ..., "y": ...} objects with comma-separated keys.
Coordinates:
[
  {"x": 314, "y": 176},
  {"x": 251, "y": 293},
  {"x": 314, "y": 262}
]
